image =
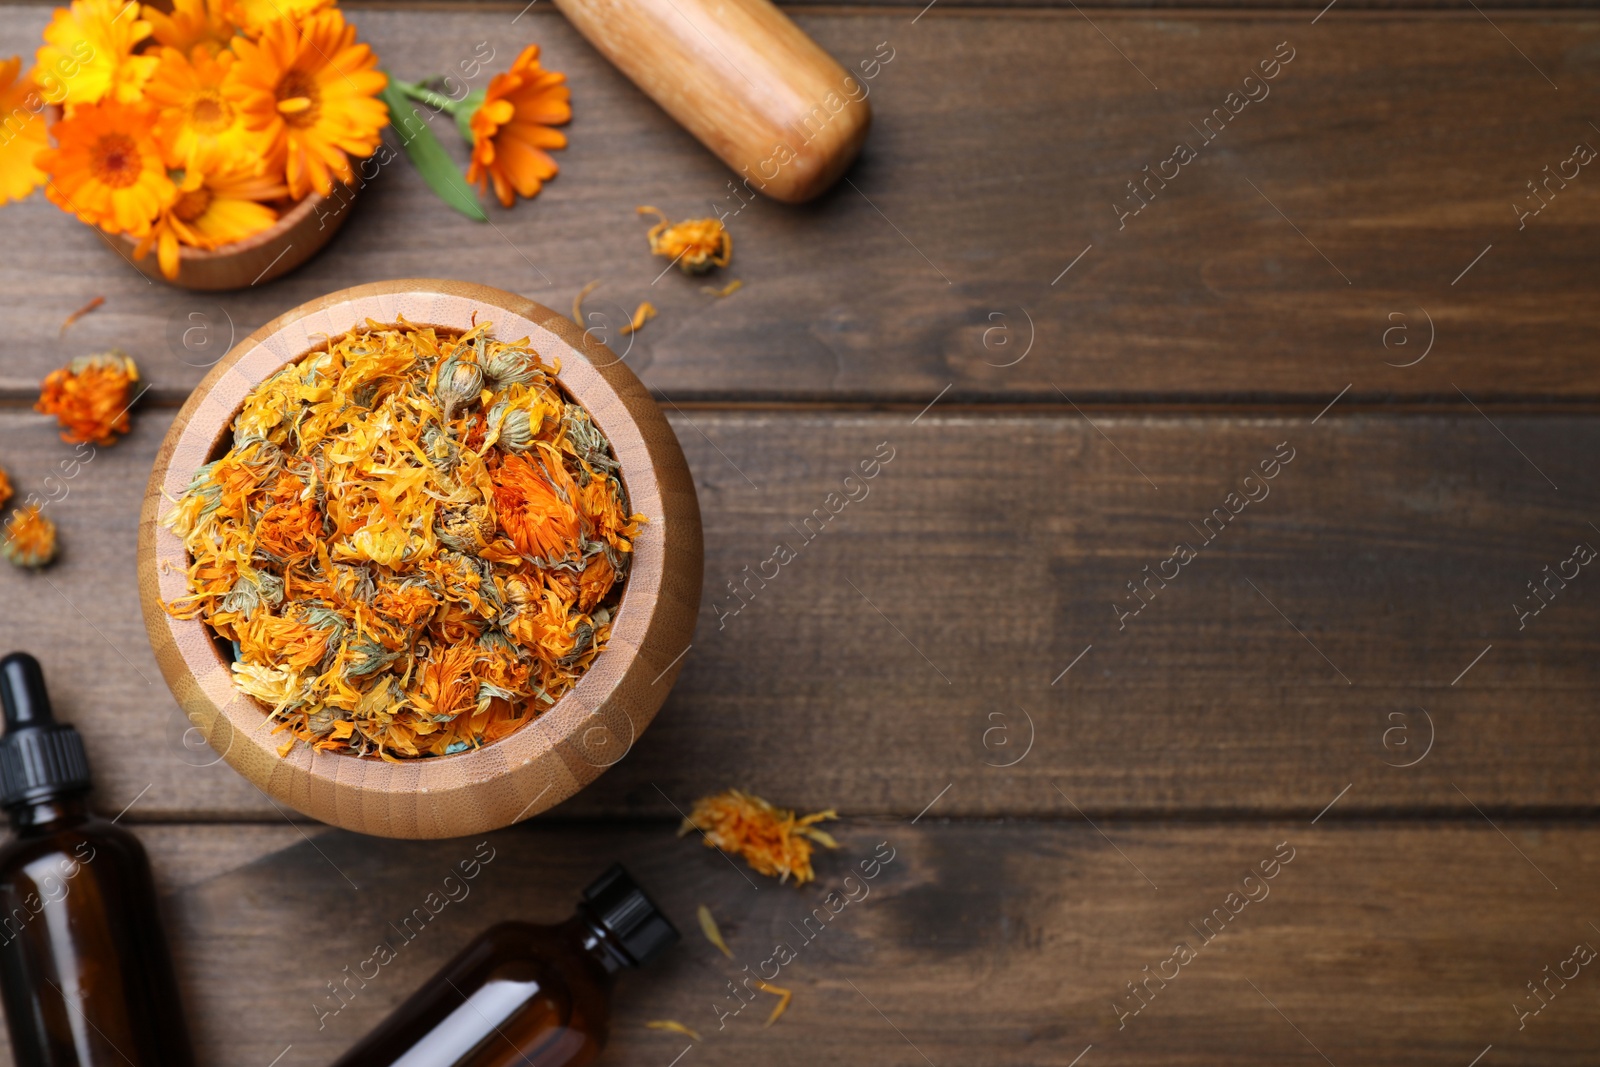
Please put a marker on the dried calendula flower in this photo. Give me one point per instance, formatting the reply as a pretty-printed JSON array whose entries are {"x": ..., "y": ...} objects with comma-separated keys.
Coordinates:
[
  {"x": 29, "y": 538},
  {"x": 90, "y": 397},
  {"x": 416, "y": 543},
  {"x": 695, "y": 245},
  {"x": 460, "y": 379},
  {"x": 5, "y": 487},
  {"x": 773, "y": 841}
]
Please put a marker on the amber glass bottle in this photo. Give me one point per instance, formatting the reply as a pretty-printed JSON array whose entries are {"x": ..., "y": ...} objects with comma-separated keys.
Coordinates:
[
  {"x": 537, "y": 996},
  {"x": 84, "y": 970}
]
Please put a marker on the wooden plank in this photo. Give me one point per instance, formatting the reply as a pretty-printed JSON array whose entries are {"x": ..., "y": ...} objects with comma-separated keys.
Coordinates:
[
  {"x": 948, "y": 8},
  {"x": 975, "y": 944},
  {"x": 1396, "y": 145},
  {"x": 1230, "y": 7},
  {"x": 908, "y": 646},
  {"x": 184, "y": 855}
]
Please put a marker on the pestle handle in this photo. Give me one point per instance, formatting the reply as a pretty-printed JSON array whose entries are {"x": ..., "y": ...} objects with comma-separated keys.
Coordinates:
[{"x": 741, "y": 77}]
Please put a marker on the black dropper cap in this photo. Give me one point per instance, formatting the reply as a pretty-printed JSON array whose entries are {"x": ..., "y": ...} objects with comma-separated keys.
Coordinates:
[
  {"x": 40, "y": 759},
  {"x": 617, "y": 903}
]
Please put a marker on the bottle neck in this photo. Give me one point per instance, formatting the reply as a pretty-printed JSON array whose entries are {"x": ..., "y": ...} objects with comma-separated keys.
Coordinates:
[
  {"x": 39, "y": 817},
  {"x": 597, "y": 942}
]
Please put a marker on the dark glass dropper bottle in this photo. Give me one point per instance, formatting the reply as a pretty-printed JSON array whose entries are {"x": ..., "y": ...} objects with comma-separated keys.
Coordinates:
[
  {"x": 85, "y": 974},
  {"x": 536, "y": 996}
]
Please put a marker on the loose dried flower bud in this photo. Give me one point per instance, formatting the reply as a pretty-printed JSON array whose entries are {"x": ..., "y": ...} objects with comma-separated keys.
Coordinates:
[
  {"x": 695, "y": 245},
  {"x": 5, "y": 487},
  {"x": 466, "y": 529},
  {"x": 516, "y": 433},
  {"x": 30, "y": 538},
  {"x": 460, "y": 382},
  {"x": 90, "y": 397},
  {"x": 507, "y": 365}
]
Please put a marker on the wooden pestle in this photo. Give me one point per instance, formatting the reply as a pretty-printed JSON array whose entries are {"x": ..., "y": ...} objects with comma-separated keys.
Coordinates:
[{"x": 741, "y": 77}]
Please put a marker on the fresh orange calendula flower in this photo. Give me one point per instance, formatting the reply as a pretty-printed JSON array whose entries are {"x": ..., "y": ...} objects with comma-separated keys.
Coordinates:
[
  {"x": 311, "y": 89},
  {"x": 253, "y": 16},
  {"x": 29, "y": 539},
  {"x": 511, "y": 129},
  {"x": 695, "y": 245},
  {"x": 90, "y": 397},
  {"x": 107, "y": 169},
  {"x": 773, "y": 841},
  {"x": 89, "y": 53},
  {"x": 191, "y": 23},
  {"x": 21, "y": 107},
  {"x": 219, "y": 202},
  {"x": 194, "y": 114}
]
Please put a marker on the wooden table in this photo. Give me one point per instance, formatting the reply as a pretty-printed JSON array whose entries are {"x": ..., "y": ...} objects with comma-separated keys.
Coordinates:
[{"x": 1341, "y": 675}]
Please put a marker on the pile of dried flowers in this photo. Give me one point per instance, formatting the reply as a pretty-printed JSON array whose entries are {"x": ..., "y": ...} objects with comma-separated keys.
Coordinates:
[
  {"x": 774, "y": 841},
  {"x": 194, "y": 128},
  {"x": 416, "y": 542}
]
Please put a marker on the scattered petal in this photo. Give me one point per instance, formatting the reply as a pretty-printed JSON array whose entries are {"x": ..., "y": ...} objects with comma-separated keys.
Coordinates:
[
  {"x": 577, "y": 301},
  {"x": 783, "y": 995},
  {"x": 645, "y": 312},
  {"x": 80, "y": 313},
  {"x": 708, "y": 926},
  {"x": 674, "y": 1026}
]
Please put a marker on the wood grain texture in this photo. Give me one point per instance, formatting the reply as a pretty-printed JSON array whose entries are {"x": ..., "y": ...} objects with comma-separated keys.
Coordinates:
[
  {"x": 1229, "y": 7},
  {"x": 744, "y": 80},
  {"x": 994, "y": 549},
  {"x": 183, "y": 855},
  {"x": 988, "y": 944},
  {"x": 303, "y": 231},
  {"x": 533, "y": 768},
  {"x": 1396, "y": 143}
]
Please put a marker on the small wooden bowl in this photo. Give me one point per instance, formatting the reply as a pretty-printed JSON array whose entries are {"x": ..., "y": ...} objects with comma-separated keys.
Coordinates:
[
  {"x": 272, "y": 253},
  {"x": 544, "y": 762}
]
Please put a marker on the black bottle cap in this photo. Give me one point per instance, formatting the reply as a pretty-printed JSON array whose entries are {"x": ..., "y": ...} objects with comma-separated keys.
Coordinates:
[
  {"x": 39, "y": 757},
  {"x": 617, "y": 903}
]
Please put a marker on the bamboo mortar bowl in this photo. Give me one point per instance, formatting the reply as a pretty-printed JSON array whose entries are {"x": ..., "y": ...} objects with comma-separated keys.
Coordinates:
[
  {"x": 591, "y": 727},
  {"x": 298, "y": 235}
]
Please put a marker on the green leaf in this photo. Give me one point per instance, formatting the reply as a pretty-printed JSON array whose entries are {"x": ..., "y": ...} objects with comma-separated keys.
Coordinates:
[
  {"x": 467, "y": 108},
  {"x": 429, "y": 156}
]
